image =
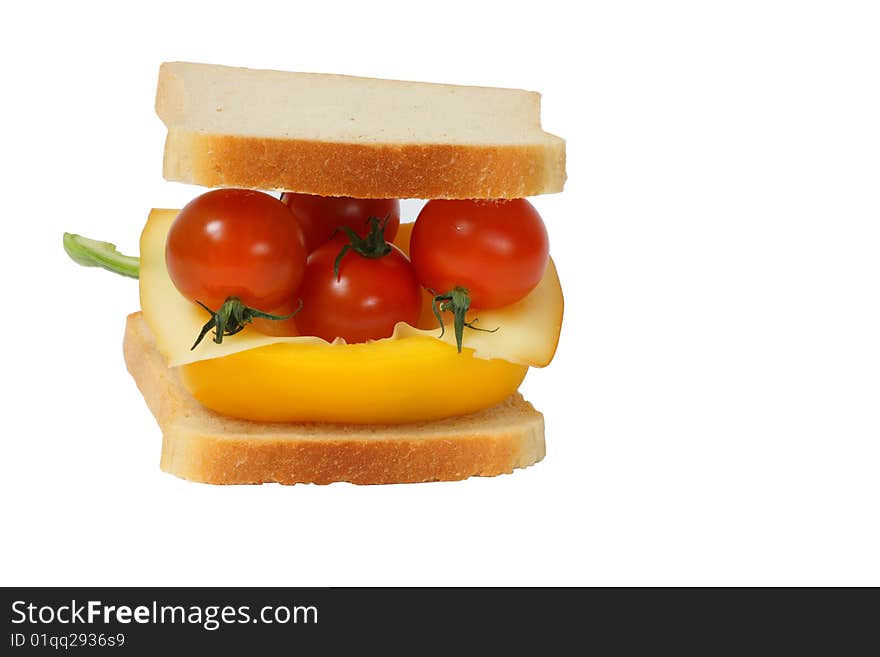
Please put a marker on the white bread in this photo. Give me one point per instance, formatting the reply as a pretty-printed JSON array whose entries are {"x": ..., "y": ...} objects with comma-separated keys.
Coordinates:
[
  {"x": 201, "y": 445},
  {"x": 338, "y": 135}
]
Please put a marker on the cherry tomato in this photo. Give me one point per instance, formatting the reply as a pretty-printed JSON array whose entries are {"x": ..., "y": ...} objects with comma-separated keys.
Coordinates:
[
  {"x": 369, "y": 298},
  {"x": 236, "y": 242},
  {"x": 497, "y": 250},
  {"x": 320, "y": 216}
]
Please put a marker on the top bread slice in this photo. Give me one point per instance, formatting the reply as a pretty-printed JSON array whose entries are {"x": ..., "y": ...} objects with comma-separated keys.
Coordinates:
[{"x": 337, "y": 135}]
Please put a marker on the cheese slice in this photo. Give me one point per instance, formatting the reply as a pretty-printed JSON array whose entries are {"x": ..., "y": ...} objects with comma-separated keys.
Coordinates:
[{"x": 528, "y": 331}]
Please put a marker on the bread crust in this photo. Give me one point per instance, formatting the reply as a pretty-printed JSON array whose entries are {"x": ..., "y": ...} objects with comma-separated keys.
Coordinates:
[
  {"x": 201, "y": 445},
  {"x": 427, "y": 171}
]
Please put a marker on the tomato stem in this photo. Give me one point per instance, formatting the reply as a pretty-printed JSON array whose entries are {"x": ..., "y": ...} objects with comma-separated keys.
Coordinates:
[
  {"x": 232, "y": 317},
  {"x": 458, "y": 302},
  {"x": 373, "y": 245}
]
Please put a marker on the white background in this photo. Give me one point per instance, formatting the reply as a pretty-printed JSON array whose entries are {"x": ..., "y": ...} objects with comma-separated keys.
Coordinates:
[{"x": 712, "y": 412}]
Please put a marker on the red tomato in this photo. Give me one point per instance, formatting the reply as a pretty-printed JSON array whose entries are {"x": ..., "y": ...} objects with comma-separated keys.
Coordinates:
[
  {"x": 236, "y": 242},
  {"x": 369, "y": 298},
  {"x": 320, "y": 216},
  {"x": 497, "y": 250}
]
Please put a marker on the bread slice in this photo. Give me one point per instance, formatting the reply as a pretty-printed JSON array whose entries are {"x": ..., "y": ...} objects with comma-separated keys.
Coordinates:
[
  {"x": 337, "y": 135},
  {"x": 201, "y": 445}
]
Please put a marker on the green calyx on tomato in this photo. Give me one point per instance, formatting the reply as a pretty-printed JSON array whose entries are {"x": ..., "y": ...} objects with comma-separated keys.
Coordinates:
[
  {"x": 373, "y": 245},
  {"x": 232, "y": 317},
  {"x": 458, "y": 302}
]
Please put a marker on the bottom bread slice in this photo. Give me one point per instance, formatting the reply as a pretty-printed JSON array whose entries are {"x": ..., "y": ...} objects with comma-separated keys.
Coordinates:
[{"x": 200, "y": 445}]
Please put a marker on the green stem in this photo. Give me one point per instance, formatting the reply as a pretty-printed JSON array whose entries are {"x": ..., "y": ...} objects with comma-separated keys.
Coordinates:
[
  {"x": 232, "y": 317},
  {"x": 373, "y": 245},
  {"x": 92, "y": 253},
  {"x": 458, "y": 302}
]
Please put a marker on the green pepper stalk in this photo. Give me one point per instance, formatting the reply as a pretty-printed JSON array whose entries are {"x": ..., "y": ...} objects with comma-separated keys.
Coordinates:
[{"x": 92, "y": 253}]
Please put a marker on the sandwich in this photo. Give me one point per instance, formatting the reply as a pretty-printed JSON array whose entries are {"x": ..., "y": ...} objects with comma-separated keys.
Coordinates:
[{"x": 294, "y": 327}]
